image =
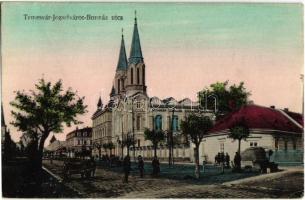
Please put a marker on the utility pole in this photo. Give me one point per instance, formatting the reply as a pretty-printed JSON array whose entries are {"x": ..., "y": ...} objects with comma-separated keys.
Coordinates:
[
  {"x": 172, "y": 136},
  {"x": 133, "y": 134},
  {"x": 122, "y": 145},
  {"x": 302, "y": 79}
]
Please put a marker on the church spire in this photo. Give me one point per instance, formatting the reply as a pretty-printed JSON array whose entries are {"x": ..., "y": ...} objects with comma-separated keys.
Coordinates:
[
  {"x": 122, "y": 62},
  {"x": 99, "y": 103},
  {"x": 135, "y": 50}
]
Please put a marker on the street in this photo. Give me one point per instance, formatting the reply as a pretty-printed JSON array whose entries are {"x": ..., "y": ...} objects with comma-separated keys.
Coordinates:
[{"x": 107, "y": 183}]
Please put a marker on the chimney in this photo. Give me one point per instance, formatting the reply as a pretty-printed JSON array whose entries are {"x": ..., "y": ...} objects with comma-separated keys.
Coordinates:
[
  {"x": 273, "y": 107},
  {"x": 286, "y": 109}
]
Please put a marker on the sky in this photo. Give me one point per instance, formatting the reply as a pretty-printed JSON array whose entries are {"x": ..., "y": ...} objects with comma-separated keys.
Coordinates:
[{"x": 186, "y": 47}]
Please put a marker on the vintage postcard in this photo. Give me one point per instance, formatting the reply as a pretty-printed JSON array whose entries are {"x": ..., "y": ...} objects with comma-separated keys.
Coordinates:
[{"x": 152, "y": 100}]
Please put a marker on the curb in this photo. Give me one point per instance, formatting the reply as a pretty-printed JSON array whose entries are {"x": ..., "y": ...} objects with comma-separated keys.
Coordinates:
[
  {"x": 60, "y": 180},
  {"x": 254, "y": 178}
]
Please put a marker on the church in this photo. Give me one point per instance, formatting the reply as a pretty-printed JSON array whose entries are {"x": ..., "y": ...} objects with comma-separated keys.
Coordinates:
[{"x": 130, "y": 110}]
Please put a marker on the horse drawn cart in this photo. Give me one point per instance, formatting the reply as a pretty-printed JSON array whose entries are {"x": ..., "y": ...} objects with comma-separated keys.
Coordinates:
[{"x": 86, "y": 168}]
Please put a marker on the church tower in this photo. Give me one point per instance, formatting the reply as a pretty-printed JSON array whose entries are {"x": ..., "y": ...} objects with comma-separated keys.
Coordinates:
[
  {"x": 120, "y": 74},
  {"x": 136, "y": 66}
]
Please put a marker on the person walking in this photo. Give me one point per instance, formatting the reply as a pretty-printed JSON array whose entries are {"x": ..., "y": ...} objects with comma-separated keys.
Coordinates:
[
  {"x": 156, "y": 166},
  {"x": 141, "y": 166},
  {"x": 237, "y": 160},
  {"x": 126, "y": 167},
  {"x": 227, "y": 160}
]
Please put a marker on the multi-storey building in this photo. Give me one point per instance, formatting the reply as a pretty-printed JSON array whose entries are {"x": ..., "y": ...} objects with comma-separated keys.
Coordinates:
[
  {"x": 79, "y": 140},
  {"x": 130, "y": 110}
]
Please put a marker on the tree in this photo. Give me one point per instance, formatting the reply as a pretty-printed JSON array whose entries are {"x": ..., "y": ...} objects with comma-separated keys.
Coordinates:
[
  {"x": 9, "y": 146},
  {"x": 99, "y": 147},
  {"x": 45, "y": 110},
  {"x": 110, "y": 147},
  {"x": 238, "y": 132},
  {"x": 196, "y": 127},
  {"x": 128, "y": 141},
  {"x": 228, "y": 98},
  {"x": 155, "y": 136}
]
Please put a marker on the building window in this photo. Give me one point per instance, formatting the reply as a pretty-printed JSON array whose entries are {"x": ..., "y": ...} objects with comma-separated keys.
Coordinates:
[
  {"x": 138, "y": 122},
  {"x": 175, "y": 123},
  {"x": 138, "y": 104},
  {"x": 139, "y": 143},
  {"x": 131, "y": 75},
  {"x": 286, "y": 145},
  {"x": 138, "y": 76},
  {"x": 253, "y": 144},
  {"x": 78, "y": 142},
  {"x": 85, "y": 142},
  {"x": 158, "y": 122}
]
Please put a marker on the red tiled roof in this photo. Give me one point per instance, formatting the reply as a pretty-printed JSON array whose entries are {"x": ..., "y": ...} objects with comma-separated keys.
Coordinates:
[
  {"x": 296, "y": 116},
  {"x": 259, "y": 117}
]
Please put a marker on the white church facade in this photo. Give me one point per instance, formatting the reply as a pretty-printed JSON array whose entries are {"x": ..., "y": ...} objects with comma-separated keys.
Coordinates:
[{"x": 130, "y": 110}]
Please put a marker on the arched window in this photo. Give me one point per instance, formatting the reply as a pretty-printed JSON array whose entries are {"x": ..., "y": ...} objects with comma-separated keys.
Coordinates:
[
  {"x": 131, "y": 75},
  {"x": 138, "y": 76},
  {"x": 138, "y": 122},
  {"x": 143, "y": 76},
  {"x": 119, "y": 85},
  {"x": 158, "y": 122},
  {"x": 175, "y": 123}
]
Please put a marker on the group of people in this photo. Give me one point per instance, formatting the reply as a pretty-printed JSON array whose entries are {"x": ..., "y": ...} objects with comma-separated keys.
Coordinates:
[
  {"x": 222, "y": 158},
  {"x": 127, "y": 167}
]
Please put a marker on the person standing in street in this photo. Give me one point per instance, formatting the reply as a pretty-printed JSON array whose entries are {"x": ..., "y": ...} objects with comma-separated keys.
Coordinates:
[
  {"x": 237, "y": 160},
  {"x": 126, "y": 167},
  {"x": 141, "y": 166},
  {"x": 156, "y": 166},
  {"x": 227, "y": 160}
]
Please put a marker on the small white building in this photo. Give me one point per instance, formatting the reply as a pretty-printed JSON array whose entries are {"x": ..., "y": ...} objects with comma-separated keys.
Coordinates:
[{"x": 278, "y": 130}]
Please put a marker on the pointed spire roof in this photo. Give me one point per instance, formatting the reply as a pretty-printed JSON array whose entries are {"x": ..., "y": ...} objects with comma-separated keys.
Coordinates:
[
  {"x": 53, "y": 139},
  {"x": 135, "y": 55},
  {"x": 99, "y": 103},
  {"x": 112, "y": 93},
  {"x": 122, "y": 62}
]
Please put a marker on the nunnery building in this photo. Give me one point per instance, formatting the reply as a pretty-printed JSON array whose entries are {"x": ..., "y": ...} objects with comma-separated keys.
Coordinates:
[{"x": 130, "y": 110}]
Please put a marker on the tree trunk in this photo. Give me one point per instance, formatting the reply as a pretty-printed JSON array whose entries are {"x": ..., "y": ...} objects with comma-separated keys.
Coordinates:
[
  {"x": 99, "y": 153},
  {"x": 127, "y": 150},
  {"x": 155, "y": 150},
  {"x": 196, "y": 156}
]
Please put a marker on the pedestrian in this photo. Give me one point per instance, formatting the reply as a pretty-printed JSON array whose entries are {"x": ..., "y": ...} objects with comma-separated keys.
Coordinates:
[
  {"x": 237, "y": 160},
  {"x": 227, "y": 160},
  {"x": 156, "y": 166},
  {"x": 141, "y": 166},
  {"x": 216, "y": 159},
  {"x": 126, "y": 167}
]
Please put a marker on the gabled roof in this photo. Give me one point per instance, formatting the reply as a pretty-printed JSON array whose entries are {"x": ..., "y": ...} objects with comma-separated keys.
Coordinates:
[
  {"x": 257, "y": 117},
  {"x": 135, "y": 55}
]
